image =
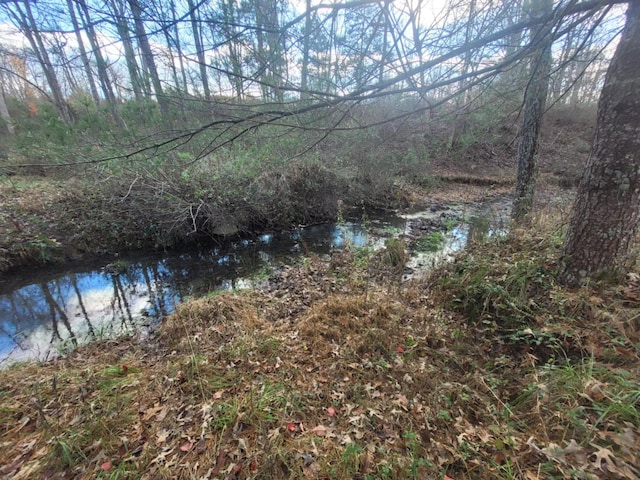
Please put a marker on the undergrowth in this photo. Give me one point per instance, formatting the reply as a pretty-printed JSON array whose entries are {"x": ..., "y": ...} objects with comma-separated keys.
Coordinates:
[{"x": 487, "y": 369}]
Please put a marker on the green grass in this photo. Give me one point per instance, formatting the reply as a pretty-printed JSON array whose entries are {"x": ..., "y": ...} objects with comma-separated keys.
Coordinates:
[{"x": 432, "y": 242}]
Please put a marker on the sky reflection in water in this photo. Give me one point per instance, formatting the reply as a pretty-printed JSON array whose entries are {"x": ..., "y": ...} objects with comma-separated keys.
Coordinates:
[{"x": 45, "y": 312}]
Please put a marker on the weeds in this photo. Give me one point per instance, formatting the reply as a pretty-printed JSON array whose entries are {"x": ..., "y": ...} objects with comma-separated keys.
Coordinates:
[
  {"x": 487, "y": 369},
  {"x": 432, "y": 242}
]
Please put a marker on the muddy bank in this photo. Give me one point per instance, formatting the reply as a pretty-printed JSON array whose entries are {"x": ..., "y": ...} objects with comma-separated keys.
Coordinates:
[
  {"x": 51, "y": 221},
  {"x": 49, "y": 311}
]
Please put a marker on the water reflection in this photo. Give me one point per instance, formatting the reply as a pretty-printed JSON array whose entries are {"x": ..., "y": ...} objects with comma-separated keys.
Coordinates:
[{"x": 46, "y": 312}]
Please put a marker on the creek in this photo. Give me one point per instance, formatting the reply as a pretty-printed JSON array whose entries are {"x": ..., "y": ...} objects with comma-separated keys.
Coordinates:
[{"x": 45, "y": 312}]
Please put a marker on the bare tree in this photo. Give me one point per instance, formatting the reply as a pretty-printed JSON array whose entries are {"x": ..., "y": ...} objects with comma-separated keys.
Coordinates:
[
  {"x": 197, "y": 37},
  {"x": 23, "y": 16},
  {"x": 119, "y": 18},
  {"x": 147, "y": 55},
  {"x": 83, "y": 52},
  {"x": 101, "y": 64}
]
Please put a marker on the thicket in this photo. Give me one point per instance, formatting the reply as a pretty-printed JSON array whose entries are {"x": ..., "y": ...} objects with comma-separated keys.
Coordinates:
[
  {"x": 158, "y": 184},
  {"x": 227, "y": 179}
]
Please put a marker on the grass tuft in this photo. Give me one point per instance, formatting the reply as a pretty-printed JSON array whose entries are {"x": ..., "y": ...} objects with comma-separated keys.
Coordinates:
[{"x": 486, "y": 369}]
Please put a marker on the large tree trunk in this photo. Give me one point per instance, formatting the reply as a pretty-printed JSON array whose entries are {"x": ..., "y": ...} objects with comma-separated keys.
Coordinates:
[
  {"x": 534, "y": 105},
  {"x": 604, "y": 220}
]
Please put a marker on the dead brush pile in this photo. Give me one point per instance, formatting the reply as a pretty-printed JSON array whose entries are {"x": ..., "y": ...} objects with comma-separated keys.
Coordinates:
[{"x": 487, "y": 369}]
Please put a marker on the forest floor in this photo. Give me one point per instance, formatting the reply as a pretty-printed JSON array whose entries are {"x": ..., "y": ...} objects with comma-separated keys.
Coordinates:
[
  {"x": 485, "y": 368},
  {"x": 70, "y": 215}
]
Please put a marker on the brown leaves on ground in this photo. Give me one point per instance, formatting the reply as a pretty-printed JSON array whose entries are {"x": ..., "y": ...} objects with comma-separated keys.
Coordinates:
[{"x": 321, "y": 377}]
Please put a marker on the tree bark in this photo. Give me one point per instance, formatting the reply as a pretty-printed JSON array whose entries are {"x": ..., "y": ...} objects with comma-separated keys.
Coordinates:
[
  {"x": 176, "y": 34},
  {"x": 129, "y": 52},
  {"x": 197, "y": 38},
  {"x": 461, "y": 120},
  {"x": 83, "y": 52},
  {"x": 306, "y": 47},
  {"x": 30, "y": 29},
  {"x": 4, "y": 114},
  {"x": 534, "y": 105},
  {"x": 604, "y": 220},
  {"x": 101, "y": 64},
  {"x": 229, "y": 20},
  {"x": 147, "y": 56}
]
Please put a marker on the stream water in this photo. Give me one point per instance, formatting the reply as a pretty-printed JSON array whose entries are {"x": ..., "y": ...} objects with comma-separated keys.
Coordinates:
[{"x": 46, "y": 311}]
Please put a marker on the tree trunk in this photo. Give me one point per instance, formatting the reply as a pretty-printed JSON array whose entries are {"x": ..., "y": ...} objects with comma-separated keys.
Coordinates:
[
  {"x": 101, "y": 64},
  {"x": 147, "y": 56},
  {"x": 4, "y": 113},
  {"x": 461, "y": 120},
  {"x": 534, "y": 105},
  {"x": 202, "y": 61},
  {"x": 30, "y": 30},
  {"x": 604, "y": 220},
  {"x": 306, "y": 47},
  {"x": 166, "y": 31},
  {"x": 176, "y": 34},
  {"x": 129, "y": 52},
  {"x": 384, "y": 48},
  {"x": 83, "y": 53},
  {"x": 234, "y": 46}
]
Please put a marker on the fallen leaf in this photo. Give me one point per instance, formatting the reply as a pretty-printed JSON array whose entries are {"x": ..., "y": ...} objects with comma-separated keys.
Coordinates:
[
  {"x": 320, "y": 430},
  {"x": 186, "y": 446},
  {"x": 201, "y": 446},
  {"x": 218, "y": 394},
  {"x": 162, "y": 435},
  {"x": 151, "y": 412}
]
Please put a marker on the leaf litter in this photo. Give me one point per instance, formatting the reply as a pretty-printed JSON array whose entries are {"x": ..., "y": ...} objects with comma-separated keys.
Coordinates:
[{"x": 333, "y": 373}]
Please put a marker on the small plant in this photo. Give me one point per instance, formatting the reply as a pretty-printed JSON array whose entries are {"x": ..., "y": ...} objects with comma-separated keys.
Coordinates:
[
  {"x": 117, "y": 268},
  {"x": 262, "y": 274},
  {"x": 224, "y": 415},
  {"x": 351, "y": 460},
  {"x": 432, "y": 242},
  {"x": 44, "y": 247},
  {"x": 395, "y": 254}
]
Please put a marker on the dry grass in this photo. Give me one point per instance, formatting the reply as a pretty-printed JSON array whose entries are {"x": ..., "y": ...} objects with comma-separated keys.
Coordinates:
[{"x": 487, "y": 369}]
